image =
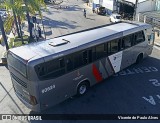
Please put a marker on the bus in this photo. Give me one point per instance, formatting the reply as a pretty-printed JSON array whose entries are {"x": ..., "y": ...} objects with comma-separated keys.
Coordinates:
[{"x": 48, "y": 72}]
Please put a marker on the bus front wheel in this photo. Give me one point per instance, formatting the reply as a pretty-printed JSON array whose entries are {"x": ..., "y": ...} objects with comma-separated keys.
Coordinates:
[
  {"x": 139, "y": 58},
  {"x": 82, "y": 88}
]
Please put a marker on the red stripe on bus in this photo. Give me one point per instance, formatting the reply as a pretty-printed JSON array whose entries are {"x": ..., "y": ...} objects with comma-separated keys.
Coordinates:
[{"x": 96, "y": 73}]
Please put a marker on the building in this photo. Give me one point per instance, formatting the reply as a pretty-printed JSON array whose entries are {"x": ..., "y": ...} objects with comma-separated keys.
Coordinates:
[
  {"x": 110, "y": 6},
  {"x": 152, "y": 15}
]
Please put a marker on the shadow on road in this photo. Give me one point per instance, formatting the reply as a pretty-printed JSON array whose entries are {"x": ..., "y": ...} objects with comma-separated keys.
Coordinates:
[
  {"x": 58, "y": 24},
  {"x": 90, "y": 18}
]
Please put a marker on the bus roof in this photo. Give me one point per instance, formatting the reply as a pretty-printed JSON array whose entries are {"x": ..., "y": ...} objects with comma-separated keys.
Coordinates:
[{"x": 80, "y": 40}]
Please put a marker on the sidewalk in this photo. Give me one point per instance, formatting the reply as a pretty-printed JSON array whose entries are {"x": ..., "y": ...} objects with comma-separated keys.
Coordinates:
[
  {"x": 2, "y": 51},
  {"x": 157, "y": 40}
]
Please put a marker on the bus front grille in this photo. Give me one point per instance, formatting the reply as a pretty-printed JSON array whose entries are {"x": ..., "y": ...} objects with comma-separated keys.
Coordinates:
[{"x": 19, "y": 80}]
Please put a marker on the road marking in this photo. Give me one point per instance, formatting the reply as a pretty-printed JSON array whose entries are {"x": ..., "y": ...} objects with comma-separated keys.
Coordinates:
[
  {"x": 158, "y": 48},
  {"x": 132, "y": 71},
  {"x": 155, "y": 82},
  {"x": 150, "y": 100}
]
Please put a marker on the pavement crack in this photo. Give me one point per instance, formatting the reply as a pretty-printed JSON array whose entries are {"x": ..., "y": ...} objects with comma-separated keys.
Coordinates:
[
  {"x": 6, "y": 94},
  {"x": 10, "y": 97}
]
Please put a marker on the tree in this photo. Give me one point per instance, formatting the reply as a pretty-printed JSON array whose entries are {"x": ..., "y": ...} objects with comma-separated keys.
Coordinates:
[
  {"x": 22, "y": 7},
  {"x": 33, "y": 6},
  {"x": 15, "y": 6},
  {"x": 3, "y": 33},
  {"x": 10, "y": 5}
]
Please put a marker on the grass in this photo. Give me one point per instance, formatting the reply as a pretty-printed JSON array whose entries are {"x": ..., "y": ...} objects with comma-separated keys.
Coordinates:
[
  {"x": 25, "y": 38},
  {"x": 17, "y": 42}
]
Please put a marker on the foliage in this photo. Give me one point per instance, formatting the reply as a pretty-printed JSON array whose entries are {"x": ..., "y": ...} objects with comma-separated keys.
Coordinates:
[
  {"x": 8, "y": 23},
  {"x": 17, "y": 42},
  {"x": 33, "y": 6},
  {"x": 20, "y": 7}
]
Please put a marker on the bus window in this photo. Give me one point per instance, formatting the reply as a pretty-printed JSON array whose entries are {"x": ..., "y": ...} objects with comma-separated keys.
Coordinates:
[
  {"x": 109, "y": 48},
  {"x": 139, "y": 37},
  {"x": 114, "y": 46},
  {"x": 61, "y": 62},
  {"x": 93, "y": 53},
  {"x": 40, "y": 70},
  {"x": 78, "y": 60},
  {"x": 89, "y": 56},
  {"x": 120, "y": 45},
  {"x": 106, "y": 48},
  {"x": 85, "y": 57},
  {"x": 99, "y": 51},
  {"x": 52, "y": 65},
  {"x": 69, "y": 63},
  {"x": 127, "y": 41},
  {"x": 55, "y": 68},
  {"x": 151, "y": 38}
]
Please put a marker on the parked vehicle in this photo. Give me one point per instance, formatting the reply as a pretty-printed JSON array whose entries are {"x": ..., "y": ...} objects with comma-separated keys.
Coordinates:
[
  {"x": 100, "y": 10},
  {"x": 50, "y": 1},
  {"x": 115, "y": 18},
  {"x": 3, "y": 14}
]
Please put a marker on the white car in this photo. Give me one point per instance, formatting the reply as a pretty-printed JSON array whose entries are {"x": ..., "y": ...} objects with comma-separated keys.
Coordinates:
[
  {"x": 115, "y": 18},
  {"x": 3, "y": 14}
]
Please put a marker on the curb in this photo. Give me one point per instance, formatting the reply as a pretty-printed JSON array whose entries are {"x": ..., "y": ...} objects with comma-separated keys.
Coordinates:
[
  {"x": 157, "y": 44},
  {"x": 3, "y": 62}
]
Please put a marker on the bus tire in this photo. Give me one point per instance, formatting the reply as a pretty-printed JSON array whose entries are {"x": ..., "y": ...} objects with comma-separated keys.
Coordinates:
[
  {"x": 139, "y": 58},
  {"x": 82, "y": 88}
]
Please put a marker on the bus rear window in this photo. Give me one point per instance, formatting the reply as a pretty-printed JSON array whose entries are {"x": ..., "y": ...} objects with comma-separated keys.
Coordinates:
[{"x": 16, "y": 64}]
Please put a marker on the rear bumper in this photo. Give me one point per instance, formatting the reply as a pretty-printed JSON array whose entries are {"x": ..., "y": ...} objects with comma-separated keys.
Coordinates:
[{"x": 35, "y": 108}]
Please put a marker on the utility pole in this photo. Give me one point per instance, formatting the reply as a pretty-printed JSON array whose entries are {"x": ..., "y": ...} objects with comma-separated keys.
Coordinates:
[
  {"x": 3, "y": 33},
  {"x": 28, "y": 19},
  {"x": 135, "y": 9},
  {"x": 15, "y": 20}
]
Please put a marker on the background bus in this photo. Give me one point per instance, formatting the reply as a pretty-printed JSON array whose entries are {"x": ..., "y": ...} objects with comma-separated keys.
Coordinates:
[{"x": 48, "y": 72}]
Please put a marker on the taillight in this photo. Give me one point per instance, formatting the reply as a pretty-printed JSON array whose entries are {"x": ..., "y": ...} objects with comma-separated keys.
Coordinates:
[{"x": 33, "y": 100}]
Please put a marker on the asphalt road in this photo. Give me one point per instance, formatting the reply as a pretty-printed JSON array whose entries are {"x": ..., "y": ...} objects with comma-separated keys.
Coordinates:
[{"x": 136, "y": 90}]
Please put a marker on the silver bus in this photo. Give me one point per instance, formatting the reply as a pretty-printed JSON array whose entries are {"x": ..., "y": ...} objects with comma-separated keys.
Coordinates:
[{"x": 48, "y": 72}]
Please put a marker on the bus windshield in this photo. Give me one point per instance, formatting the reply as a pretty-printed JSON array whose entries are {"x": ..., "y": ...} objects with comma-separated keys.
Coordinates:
[{"x": 17, "y": 64}]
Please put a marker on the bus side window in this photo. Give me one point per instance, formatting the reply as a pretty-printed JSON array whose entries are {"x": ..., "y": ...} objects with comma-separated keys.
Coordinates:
[
  {"x": 99, "y": 51},
  {"x": 61, "y": 62},
  {"x": 40, "y": 70},
  {"x": 127, "y": 41},
  {"x": 105, "y": 49},
  {"x": 55, "y": 68},
  {"x": 151, "y": 38},
  {"x": 109, "y": 48},
  {"x": 122, "y": 44},
  {"x": 78, "y": 60},
  {"x": 114, "y": 46},
  {"x": 85, "y": 57},
  {"x": 119, "y": 45},
  {"x": 132, "y": 39},
  {"x": 139, "y": 37},
  {"x": 94, "y": 53},
  {"x": 69, "y": 63},
  {"x": 89, "y": 56}
]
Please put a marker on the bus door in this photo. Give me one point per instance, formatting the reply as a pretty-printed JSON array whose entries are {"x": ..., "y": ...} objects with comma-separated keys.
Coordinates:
[{"x": 152, "y": 35}]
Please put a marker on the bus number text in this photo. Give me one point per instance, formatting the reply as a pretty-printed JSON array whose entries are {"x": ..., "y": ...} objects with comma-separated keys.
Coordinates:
[{"x": 48, "y": 89}]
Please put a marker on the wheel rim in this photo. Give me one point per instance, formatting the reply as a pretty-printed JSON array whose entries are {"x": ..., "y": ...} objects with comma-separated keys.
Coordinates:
[{"x": 82, "y": 89}]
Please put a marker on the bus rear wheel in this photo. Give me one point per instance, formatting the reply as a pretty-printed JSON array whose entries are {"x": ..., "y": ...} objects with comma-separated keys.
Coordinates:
[
  {"x": 82, "y": 88},
  {"x": 139, "y": 58}
]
